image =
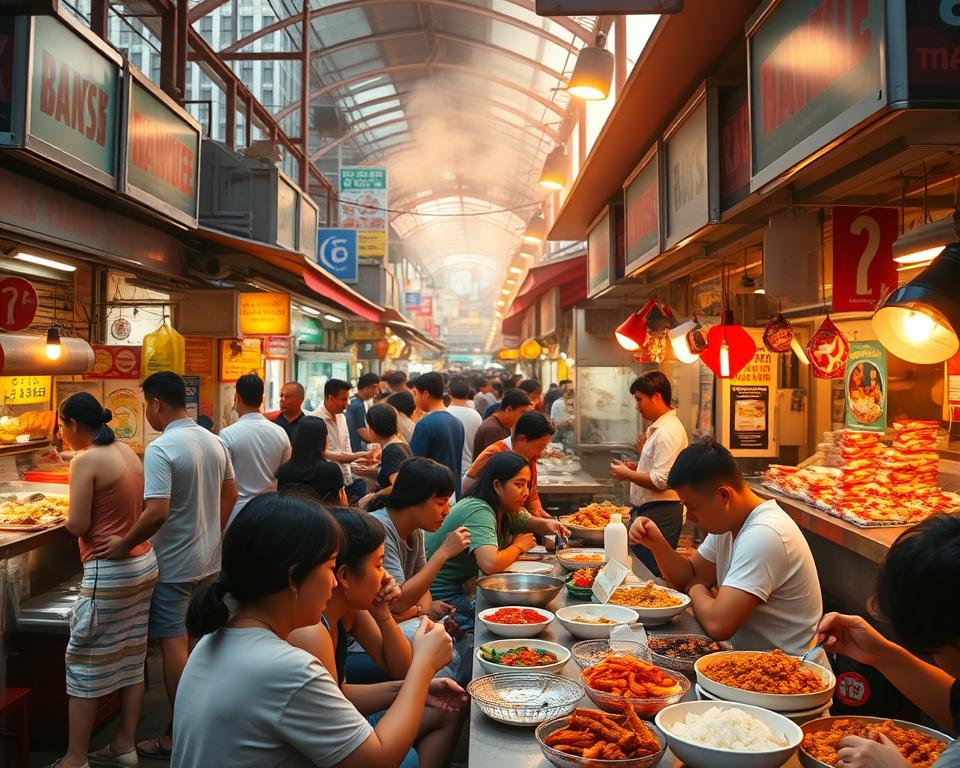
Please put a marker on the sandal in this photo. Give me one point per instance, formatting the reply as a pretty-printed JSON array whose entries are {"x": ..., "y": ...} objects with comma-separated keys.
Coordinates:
[
  {"x": 107, "y": 758},
  {"x": 153, "y": 749}
]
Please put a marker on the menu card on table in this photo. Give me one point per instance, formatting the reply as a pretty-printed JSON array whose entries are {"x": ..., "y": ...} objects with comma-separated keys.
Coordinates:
[{"x": 611, "y": 576}]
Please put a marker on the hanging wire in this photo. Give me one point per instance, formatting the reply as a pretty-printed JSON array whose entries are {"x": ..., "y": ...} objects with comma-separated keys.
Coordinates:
[{"x": 823, "y": 263}]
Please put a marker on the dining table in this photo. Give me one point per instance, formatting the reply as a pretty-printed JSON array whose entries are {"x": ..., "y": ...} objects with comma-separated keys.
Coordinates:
[{"x": 494, "y": 744}]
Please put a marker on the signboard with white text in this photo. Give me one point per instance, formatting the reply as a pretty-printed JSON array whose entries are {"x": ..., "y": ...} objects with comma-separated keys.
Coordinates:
[{"x": 363, "y": 207}]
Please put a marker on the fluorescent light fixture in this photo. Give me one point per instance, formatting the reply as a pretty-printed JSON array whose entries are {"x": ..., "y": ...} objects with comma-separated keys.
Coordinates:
[
  {"x": 925, "y": 242},
  {"x": 501, "y": 303},
  {"x": 515, "y": 270},
  {"x": 505, "y": 292},
  {"x": 510, "y": 282},
  {"x": 310, "y": 311},
  {"x": 332, "y": 318},
  {"x": 44, "y": 262}
]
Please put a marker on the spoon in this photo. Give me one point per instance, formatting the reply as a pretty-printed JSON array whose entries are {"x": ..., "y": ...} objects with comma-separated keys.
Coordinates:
[{"x": 808, "y": 654}]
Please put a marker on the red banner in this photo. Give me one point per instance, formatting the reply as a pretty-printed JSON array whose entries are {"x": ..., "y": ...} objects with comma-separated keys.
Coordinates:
[
  {"x": 18, "y": 303},
  {"x": 863, "y": 267},
  {"x": 115, "y": 362}
]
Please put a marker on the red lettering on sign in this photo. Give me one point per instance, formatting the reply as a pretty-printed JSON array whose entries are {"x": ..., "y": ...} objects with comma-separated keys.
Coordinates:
[
  {"x": 735, "y": 151},
  {"x": 72, "y": 100},
  {"x": 812, "y": 58},
  {"x": 643, "y": 215},
  {"x": 156, "y": 152}
]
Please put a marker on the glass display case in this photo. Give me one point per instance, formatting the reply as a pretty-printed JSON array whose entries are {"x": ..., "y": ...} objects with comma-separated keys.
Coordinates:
[{"x": 606, "y": 412}]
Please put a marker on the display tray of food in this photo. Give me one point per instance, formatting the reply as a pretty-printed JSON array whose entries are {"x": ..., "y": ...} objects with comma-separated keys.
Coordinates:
[
  {"x": 576, "y": 558},
  {"x": 27, "y": 511},
  {"x": 622, "y": 681},
  {"x": 772, "y": 680},
  {"x": 681, "y": 651},
  {"x": 920, "y": 746},
  {"x": 511, "y": 655},
  {"x": 594, "y": 621},
  {"x": 26, "y": 427},
  {"x": 515, "y": 621},
  {"x": 592, "y": 739},
  {"x": 524, "y": 698},
  {"x": 588, "y": 522},
  {"x": 654, "y": 605},
  {"x": 706, "y": 734}
]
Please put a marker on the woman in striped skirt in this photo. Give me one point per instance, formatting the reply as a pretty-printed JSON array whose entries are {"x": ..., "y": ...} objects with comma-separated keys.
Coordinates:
[{"x": 108, "y": 631}]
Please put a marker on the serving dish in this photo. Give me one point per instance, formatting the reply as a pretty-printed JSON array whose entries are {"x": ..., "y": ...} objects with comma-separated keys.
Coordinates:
[
  {"x": 501, "y": 629},
  {"x": 530, "y": 566},
  {"x": 564, "y": 760},
  {"x": 825, "y": 723},
  {"x": 575, "y": 559},
  {"x": 527, "y": 589},
  {"x": 653, "y": 616},
  {"x": 525, "y": 698},
  {"x": 562, "y": 654},
  {"x": 659, "y": 687},
  {"x": 680, "y": 664},
  {"x": 615, "y": 614},
  {"x": 587, "y": 653}
]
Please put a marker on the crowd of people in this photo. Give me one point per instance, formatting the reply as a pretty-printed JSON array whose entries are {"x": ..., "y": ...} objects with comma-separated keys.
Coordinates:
[{"x": 308, "y": 575}]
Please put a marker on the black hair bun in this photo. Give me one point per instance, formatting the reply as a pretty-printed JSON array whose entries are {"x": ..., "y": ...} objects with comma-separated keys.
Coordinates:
[{"x": 107, "y": 416}]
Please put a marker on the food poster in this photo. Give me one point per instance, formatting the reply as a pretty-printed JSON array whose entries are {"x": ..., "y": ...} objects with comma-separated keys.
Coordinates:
[
  {"x": 201, "y": 361},
  {"x": 125, "y": 400},
  {"x": 239, "y": 357},
  {"x": 865, "y": 387},
  {"x": 192, "y": 385},
  {"x": 749, "y": 404}
]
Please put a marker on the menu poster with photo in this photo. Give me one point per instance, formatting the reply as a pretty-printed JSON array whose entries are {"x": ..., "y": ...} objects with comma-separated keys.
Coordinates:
[
  {"x": 125, "y": 400},
  {"x": 749, "y": 417},
  {"x": 865, "y": 387}
]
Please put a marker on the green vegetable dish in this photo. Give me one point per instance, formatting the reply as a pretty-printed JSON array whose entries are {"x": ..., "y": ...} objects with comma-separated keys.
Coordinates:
[{"x": 518, "y": 657}]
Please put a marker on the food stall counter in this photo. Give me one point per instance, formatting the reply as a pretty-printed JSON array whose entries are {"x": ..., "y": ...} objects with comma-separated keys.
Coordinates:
[
  {"x": 491, "y": 741},
  {"x": 13, "y": 543}
]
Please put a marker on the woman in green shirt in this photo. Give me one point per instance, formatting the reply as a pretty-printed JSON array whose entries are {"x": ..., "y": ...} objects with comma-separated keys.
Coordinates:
[{"x": 500, "y": 531}]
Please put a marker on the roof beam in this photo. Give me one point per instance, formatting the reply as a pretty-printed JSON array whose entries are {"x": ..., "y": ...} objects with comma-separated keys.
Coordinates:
[
  {"x": 570, "y": 26},
  {"x": 419, "y": 66}
]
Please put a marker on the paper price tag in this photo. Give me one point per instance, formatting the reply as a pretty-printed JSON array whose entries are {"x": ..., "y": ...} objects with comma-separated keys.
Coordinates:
[
  {"x": 611, "y": 576},
  {"x": 626, "y": 637}
]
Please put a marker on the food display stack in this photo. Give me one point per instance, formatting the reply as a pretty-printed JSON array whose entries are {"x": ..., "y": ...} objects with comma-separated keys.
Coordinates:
[{"x": 861, "y": 488}]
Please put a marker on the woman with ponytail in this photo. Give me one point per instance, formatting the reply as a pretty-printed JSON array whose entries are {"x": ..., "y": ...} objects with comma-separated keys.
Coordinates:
[
  {"x": 108, "y": 627},
  {"x": 250, "y": 699}
]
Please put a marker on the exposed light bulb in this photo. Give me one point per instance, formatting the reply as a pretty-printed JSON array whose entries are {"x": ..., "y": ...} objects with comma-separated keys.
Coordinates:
[
  {"x": 724, "y": 361},
  {"x": 918, "y": 327},
  {"x": 627, "y": 343},
  {"x": 54, "y": 346}
]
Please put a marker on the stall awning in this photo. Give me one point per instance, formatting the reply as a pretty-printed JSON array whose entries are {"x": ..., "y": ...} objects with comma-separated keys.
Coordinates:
[
  {"x": 410, "y": 332},
  {"x": 326, "y": 286},
  {"x": 569, "y": 275}
]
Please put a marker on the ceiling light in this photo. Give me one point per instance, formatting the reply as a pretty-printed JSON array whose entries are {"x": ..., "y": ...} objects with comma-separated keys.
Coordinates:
[
  {"x": 592, "y": 74},
  {"x": 44, "y": 262},
  {"x": 556, "y": 169},
  {"x": 925, "y": 242},
  {"x": 501, "y": 303},
  {"x": 54, "y": 346},
  {"x": 505, "y": 292},
  {"x": 510, "y": 282},
  {"x": 536, "y": 231},
  {"x": 515, "y": 270},
  {"x": 332, "y": 318},
  {"x": 918, "y": 322},
  {"x": 310, "y": 311}
]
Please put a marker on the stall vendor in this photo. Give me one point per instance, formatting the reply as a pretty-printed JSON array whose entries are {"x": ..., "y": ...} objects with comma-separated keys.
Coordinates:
[{"x": 769, "y": 593}]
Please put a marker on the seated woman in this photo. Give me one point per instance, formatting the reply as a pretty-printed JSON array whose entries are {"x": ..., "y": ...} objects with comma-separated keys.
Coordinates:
[
  {"x": 927, "y": 619},
  {"x": 499, "y": 528},
  {"x": 360, "y": 605},
  {"x": 250, "y": 699},
  {"x": 382, "y": 421},
  {"x": 308, "y": 472}
]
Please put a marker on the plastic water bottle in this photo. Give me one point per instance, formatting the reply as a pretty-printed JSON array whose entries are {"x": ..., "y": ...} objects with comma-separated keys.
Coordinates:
[{"x": 615, "y": 541}]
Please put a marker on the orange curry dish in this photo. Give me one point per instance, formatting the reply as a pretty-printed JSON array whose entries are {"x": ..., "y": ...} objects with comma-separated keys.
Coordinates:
[
  {"x": 774, "y": 672},
  {"x": 920, "y": 750}
]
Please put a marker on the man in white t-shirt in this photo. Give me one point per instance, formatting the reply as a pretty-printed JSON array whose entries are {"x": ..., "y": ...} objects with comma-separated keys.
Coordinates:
[
  {"x": 256, "y": 445},
  {"x": 769, "y": 594},
  {"x": 461, "y": 407}
]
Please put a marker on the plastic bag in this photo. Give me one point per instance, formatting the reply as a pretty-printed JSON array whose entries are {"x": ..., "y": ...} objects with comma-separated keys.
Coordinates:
[{"x": 163, "y": 350}]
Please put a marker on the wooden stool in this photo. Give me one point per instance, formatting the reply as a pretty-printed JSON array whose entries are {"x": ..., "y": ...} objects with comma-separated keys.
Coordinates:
[{"x": 14, "y": 734}]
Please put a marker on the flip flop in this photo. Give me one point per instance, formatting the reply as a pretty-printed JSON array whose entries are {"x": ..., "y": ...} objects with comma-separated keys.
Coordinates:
[
  {"x": 107, "y": 758},
  {"x": 153, "y": 749}
]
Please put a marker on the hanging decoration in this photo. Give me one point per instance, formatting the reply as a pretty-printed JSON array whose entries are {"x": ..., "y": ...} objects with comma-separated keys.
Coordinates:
[
  {"x": 729, "y": 347},
  {"x": 827, "y": 351},
  {"x": 778, "y": 334},
  {"x": 530, "y": 349}
]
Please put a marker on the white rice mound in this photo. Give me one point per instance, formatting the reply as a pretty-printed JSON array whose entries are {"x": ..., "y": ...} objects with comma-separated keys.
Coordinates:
[{"x": 731, "y": 729}]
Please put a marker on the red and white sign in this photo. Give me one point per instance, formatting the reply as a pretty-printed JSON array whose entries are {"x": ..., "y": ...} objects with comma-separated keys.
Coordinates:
[
  {"x": 863, "y": 267},
  {"x": 276, "y": 347},
  {"x": 115, "y": 362},
  {"x": 18, "y": 303},
  {"x": 426, "y": 307}
]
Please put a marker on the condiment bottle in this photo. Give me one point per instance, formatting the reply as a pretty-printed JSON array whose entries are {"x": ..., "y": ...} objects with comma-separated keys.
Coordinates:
[{"x": 615, "y": 541}]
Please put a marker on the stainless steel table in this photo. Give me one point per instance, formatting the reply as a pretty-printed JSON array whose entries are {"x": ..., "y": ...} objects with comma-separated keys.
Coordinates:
[
  {"x": 493, "y": 744},
  {"x": 576, "y": 483}
]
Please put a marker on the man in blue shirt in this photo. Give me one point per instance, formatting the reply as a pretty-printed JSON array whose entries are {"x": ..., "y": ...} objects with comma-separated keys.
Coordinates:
[
  {"x": 367, "y": 386},
  {"x": 438, "y": 435}
]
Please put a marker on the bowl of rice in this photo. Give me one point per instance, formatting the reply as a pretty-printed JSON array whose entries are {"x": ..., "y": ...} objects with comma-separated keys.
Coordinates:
[{"x": 707, "y": 734}]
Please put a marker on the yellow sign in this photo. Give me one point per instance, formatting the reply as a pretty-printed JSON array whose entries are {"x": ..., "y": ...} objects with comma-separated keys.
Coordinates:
[
  {"x": 371, "y": 244},
  {"x": 24, "y": 390},
  {"x": 265, "y": 314},
  {"x": 239, "y": 357}
]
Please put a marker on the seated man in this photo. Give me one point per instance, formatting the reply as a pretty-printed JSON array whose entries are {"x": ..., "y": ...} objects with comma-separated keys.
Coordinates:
[
  {"x": 769, "y": 594},
  {"x": 529, "y": 439}
]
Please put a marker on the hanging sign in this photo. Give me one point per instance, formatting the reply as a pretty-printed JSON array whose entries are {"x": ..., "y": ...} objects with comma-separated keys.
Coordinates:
[
  {"x": 239, "y": 357},
  {"x": 734, "y": 118},
  {"x": 263, "y": 314},
  {"x": 25, "y": 390},
  {"x": 599, "y": 254},
  {"x": 363, "y": 207},
  {"x": 641, "y": 196},
  {"x": 796, "y": 109},
  {"x": 120, "y": 329},
  {"x": 750, "y": 400},
  {"x": 863, "y": 267},
  {"x": 337, "y": 252},
  {"x": 309, "y": 221},
  {"x": 933, "y": 50},
  {"x": 276, "y": 347},
  {"x": 411, "y": 299},
  {"x": 865, "y": 384},
  {"x": 115, "y": 362},
  {"x": 18, "y": 303}
]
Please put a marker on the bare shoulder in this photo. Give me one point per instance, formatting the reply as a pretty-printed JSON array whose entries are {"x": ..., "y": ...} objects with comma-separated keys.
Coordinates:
[{"x": 313, "y": 639}]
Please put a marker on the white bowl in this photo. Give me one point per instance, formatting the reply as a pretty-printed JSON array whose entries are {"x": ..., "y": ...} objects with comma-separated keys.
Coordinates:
[
  {"x": 778, "y": 702},
  {"x": 799, "y": 718},
  {"x": 698, "y": 756},
  {"x": 562, "y": 654},
  {"x": 825, "y": 723},
  {"x": 515, "y": 630},
  {"x": 571, "y": 565},
  {"x": 530, "y": 566},
  {"x": 582, "y": 631},
  {"x": 653, "y": 617}
]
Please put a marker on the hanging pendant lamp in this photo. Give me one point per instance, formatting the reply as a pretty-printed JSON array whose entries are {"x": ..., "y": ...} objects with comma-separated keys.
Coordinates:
[
  {"x": 592, "y": 74},
  {"x": 632, "y": 332},
  {"x": 688, "y": 341},
  {"x": 556, "y": 169},
  {"x": 536, "y": 231},
  {"x": 729, "y": 348}
]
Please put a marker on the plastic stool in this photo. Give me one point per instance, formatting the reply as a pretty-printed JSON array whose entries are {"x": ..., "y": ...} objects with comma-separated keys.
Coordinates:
[{"x": 14, "y": 733}]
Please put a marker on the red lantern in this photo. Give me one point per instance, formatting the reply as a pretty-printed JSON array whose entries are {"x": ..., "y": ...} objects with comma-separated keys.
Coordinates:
[
  {"x": 632, "y": 332},
  {"x": 827, "y": 351},
  {"x": 778, "y": 334},
  {"x": 729, "y": 348},
  {"x": 380, "y": 348}
]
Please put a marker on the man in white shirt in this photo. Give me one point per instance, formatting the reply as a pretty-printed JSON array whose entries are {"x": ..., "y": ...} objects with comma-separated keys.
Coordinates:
[
  {"x": 658, "y": 447},
  {"x": 769, "y": 594},
  {"x": 461, "y": 407},
  {"x": 256, "y": 445},
  {"x": 336, "y": 398}
]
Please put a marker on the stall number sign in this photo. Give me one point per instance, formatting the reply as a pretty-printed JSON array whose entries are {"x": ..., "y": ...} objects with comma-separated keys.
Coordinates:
[
  {"x": 863, "y": 267},
  {"x": 25, "y": 390},
  {"x": 264, "y": 314},
  {"x": 18, "y": 303}
]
